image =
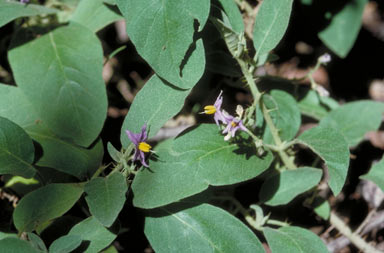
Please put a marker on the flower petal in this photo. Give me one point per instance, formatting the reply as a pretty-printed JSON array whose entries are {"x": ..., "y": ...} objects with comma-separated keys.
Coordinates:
[{"x": 135, "y": 138}]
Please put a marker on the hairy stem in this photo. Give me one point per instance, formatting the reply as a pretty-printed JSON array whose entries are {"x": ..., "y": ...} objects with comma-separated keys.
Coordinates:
[
  {"x": 353, "y": 237},
  {"x": 258, "y": 102}
]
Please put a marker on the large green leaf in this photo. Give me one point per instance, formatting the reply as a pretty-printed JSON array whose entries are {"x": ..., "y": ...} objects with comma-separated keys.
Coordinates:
[
  {"x": 198, "y": 158},
  {"x": 10, "y": 10},
  {"x": 341, "y": 33},
  {"x": 294, "y": 240},
  {"x": 376, "y": 174},
  {"x": 153, "y": 105},
  {"x": 163, "y": 31},
  {"x": 281, "y": 188},
  {"x": 16, "y": 150},
  {"x": 91, "y": 230},
  {"x": 331, "y": 146},
  {"x": 16, "y": 245},
  {"x": 95, "y": 14},
  {"x": 64, "y": 85},
  {"x": 57, "y": 153},
  {"x": 285, "y": 114},
  {"x": 106, "y": 197},
  {"x": 354, "y": 128},
  {"x": 271, "y": 22},
  {"x": 44, "y": 204},
  {"x": 202, "y": 228},
  {"x": 65, "y": 244}
]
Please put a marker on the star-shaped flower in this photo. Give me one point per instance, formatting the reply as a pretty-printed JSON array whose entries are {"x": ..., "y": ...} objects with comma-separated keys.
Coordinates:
[
  {"x": 215, "y": 109},
  {"x": 141, "y": 146},
  {"x": 233, "y": 124}
]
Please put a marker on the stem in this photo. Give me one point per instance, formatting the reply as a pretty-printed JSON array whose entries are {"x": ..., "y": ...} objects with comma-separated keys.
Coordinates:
[
  {"x": 274, "y": 131},
  {"x": 353, "y": 237}
]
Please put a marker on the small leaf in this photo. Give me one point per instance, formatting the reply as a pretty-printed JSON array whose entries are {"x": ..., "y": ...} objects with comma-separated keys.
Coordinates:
[
  {"x": 202, "y": 228},
  {"x": 69, "y": 74},
  {"x": 16, "y": 150},
  {"x": 164, "y": 35},
  {"x": 10, "y": 10},
  {"x": 341, "y": 33},
  {"x": 322, "y": 208},
  {"x": 37, "y": 242},
  {"x": 312, "y": 105},
  {"x": 106, "y": 197},
  {"x": 153, "y": 105},
  {"x": 331, "y": 146},
  {"x": 376, "y": 174},
  {"x": 294, "y": 239},
  {"x": 233, "y": 15},
  {"x": 91, "y": 230},
  {"x": 285, "y": 114},
  {"x": 95, "y": 14},
  {"x": 44, "y": 204},
  {"x": 271, "y": 22},
  {"x": 113, "y": 152},
  {"x": 65, "y": 244},
  {"x": 197, "y": 158},
  {"x": 281, "y": 188},
  {"x": 15, "y": 245},
  {"x": 344, "y": 119}
]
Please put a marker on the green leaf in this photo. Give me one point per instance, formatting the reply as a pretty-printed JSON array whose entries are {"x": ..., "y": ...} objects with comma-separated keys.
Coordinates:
[
  {"x": 82, "y": 163},
  {"x": 312, "y": 105},
  {"x": 271, "y": 22},
  {"x": 7, "y": 235},
  {"x": 65, "y": 244},
  {"x": 91, "y": 230},
  {"x": 285, "y": 114},
  {"x": 197, "y": 158},
  {"x": 153, "y": 105},
  {"x": 344, "y": 119},
  {"x": 322, "y": 208},
  {"x": 331, "y": 146},
  {"x": 15, "y": 245},
  {"x": 113, "y": 152},
  {"x": 233, "y": 15},
  {"x": 16, "y": 150},
  {"x": 202, "y": 228},
  {"x": 95, "y": 14},
  {"x": 10, "y": 10},
  {"x": 294, "y": 240},
  {"x": 376, "y": 174},
  {"x": 106, "y": 197},
  {"x": 69, "y": 75},
  {"x": 281, "y": 188},
  {"x": 57, "y": 153},
  {"x": 341, "y": 33},
  {"x": 163, "y": 31},
  {"x": 44, "y": 204},
  {"x": 36, "y": 242}
]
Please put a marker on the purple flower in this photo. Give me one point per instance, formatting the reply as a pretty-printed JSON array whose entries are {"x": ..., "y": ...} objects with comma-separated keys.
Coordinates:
[
  {"x": 233, "y": 124},
  {"x": 216, "y": 109},
  {"x": 141, "y": 147},
  {"x": 24, "y": 1}
]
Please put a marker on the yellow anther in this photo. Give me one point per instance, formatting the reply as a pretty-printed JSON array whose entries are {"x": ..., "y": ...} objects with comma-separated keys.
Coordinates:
[
  {"x": 145, "y": 147},
  {"x": 234, "y": 124},
  {"x": 209, "y": 109}
]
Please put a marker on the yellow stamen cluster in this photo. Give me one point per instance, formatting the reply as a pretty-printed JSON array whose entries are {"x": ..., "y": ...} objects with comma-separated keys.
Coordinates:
[
  {"x": 234, "y": 124},
  {"x": 209, "y": 109},
  {"x": 145, "y": 147}
]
